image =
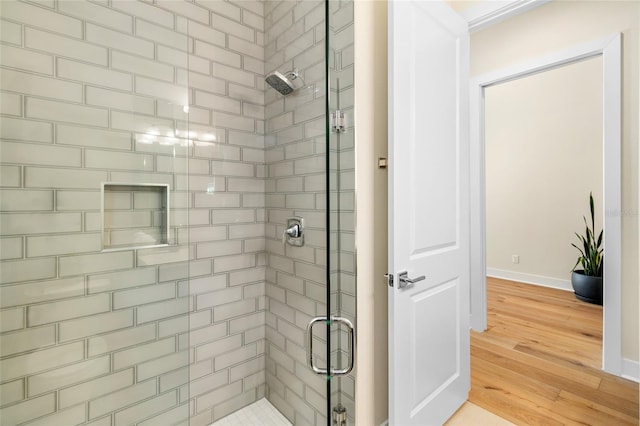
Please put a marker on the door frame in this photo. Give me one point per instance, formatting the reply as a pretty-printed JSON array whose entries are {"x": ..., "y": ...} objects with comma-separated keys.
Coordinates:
[{"x": 610, "y": 50}]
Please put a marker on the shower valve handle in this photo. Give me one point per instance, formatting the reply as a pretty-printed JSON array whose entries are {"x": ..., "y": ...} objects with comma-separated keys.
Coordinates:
[{"x": 294, "y": 232}]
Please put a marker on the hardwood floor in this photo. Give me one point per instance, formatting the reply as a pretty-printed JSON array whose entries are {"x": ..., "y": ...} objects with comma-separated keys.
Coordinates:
[{"x": 539, "y": 361}]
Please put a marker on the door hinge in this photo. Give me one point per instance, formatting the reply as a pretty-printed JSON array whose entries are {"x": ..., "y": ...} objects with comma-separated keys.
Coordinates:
[
  {"x": 338, "y": 124},
  {"x": 389, "y": 278},
  {"x": 339, "y": 415}
]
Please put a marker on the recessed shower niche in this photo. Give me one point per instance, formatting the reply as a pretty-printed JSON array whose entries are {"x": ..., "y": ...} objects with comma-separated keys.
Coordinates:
[{"x": 134, "y": 215}]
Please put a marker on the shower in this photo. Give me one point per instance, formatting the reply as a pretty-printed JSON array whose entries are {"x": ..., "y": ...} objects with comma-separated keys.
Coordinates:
[
  {"x": 283, "y": 83},
  {"x": 148, "y": 175}
]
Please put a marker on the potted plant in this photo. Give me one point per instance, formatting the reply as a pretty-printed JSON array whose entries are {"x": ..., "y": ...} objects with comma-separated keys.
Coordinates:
[{"x": 587, "y": 282}]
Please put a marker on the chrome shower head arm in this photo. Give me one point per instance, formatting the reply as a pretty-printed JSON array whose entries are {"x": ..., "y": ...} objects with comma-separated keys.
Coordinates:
[{"x": 294, "y": 74}]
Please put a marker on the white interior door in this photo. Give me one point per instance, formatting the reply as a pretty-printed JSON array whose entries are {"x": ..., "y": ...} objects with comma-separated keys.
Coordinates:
[{"x": 429, "y": 371}]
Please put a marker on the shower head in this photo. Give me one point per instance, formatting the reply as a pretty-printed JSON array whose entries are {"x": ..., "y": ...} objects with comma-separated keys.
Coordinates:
[
  {"x": 280, "y": 82},
  {"x": 283, "y": 83}
]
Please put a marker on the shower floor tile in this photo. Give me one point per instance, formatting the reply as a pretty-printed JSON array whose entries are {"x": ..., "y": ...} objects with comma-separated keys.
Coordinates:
[{"x": 260, "y": 413}]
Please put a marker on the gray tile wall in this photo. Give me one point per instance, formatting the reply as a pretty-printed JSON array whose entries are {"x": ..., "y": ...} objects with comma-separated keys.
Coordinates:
[{"x": 94, "y": 92}]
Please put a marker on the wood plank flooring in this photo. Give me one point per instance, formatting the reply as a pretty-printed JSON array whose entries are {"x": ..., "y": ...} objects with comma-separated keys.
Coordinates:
[{"x": 539, "y": 362}]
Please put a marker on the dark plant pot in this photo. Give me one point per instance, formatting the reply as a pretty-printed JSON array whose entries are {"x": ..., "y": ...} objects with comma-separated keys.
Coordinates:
[{"x": 586, "y": 287}]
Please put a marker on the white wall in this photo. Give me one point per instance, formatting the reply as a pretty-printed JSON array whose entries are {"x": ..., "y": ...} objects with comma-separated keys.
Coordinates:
[
  {"x": 543, "y": 138},
  {"x": 559, "y": 25}
]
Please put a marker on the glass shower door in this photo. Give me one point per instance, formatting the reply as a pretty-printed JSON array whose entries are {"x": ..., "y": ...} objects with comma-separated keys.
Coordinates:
[
  {"x": 297, "y": 152},
  {"x": 342, "y": 209},
  {"x": 339, "y": 318}
]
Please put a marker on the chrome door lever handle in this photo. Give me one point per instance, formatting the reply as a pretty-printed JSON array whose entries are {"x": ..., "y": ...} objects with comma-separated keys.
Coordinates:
[{"x": 404, "y": 280}]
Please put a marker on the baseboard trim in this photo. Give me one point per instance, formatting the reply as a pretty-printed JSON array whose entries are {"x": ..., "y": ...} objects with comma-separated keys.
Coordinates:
[
  {"x": 631, "y": 370},
  {"x": 530, "y": 279}
]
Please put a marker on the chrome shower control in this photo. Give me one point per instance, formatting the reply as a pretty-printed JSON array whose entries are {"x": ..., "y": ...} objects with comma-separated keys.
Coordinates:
[{"x": 294, "y": 232}]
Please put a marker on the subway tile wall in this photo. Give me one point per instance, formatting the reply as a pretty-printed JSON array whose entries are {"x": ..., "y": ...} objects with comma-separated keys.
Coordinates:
[{"x": 92, "y": 92}]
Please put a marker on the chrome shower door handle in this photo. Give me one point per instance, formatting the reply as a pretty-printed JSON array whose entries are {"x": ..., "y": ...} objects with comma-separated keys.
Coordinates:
[
  {"x": 351, "y": 341},
  {"x": 404, "y": 280},
  {"x": 317, "y": 370},
  {"x": 349, "y": 367}
]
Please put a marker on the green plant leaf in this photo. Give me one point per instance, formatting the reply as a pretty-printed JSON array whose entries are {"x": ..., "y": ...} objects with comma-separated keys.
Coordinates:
[
  {"x": 593, "y": 223},
  {"x": 587, "y": 247},
  {"x": 591, "y": 255},
  {"x": 579, "y": 249}
]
